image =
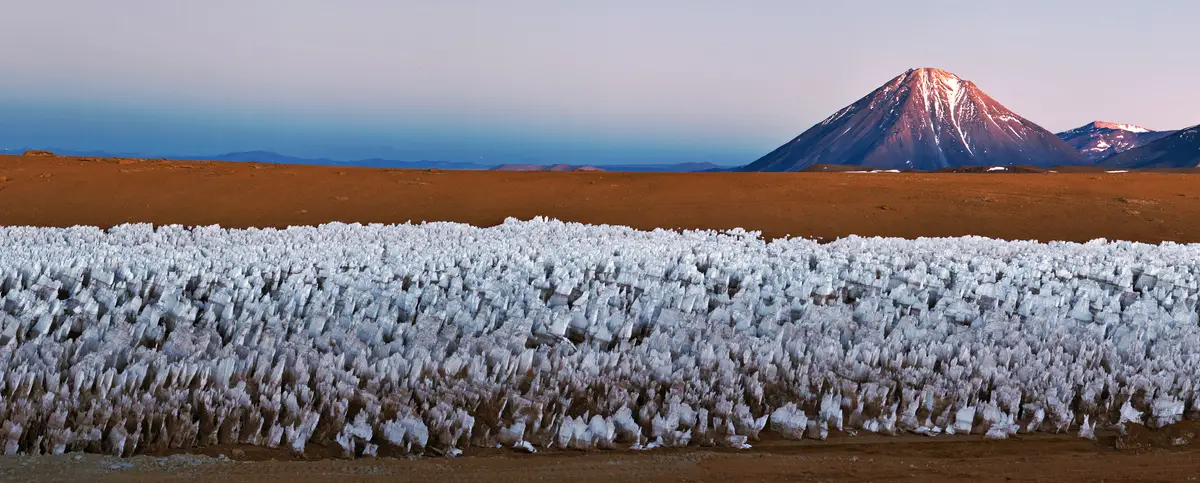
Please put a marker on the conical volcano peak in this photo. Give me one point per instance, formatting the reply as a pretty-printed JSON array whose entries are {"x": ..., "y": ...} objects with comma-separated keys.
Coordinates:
[
  {"x": 932, "y": 79},
  {"x": 935, "y": 85},
  {"x": 933, "y": 72},
  {"x": 930, "y": 76},
  {"x": 925, "y": 118}
]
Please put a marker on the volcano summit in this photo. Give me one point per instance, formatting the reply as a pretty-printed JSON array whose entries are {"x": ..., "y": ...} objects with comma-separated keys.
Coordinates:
[{"x": 923, "y": 119}]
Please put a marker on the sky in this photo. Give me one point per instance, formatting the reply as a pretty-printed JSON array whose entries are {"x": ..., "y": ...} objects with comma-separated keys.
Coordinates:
[{"x": 585, "y": 82}]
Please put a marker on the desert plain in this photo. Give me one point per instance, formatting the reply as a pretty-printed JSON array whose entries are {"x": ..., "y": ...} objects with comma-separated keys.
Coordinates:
[{"x": 1147, "y": 207}]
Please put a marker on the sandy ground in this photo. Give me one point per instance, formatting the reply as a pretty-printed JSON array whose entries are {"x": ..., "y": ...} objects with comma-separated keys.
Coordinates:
[
  {"x": 864, "y": 458},
  {"x": 1148, "y": 207}
]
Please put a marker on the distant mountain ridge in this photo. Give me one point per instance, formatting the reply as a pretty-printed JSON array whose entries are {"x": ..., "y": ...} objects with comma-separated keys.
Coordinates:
[
  {"x": 1099, "y": 140},
  {"x": 620, "y": 168},
  {"x": 1178, "y": 150},
  {"x": 541, "y": 167},
  {"x": 923, "y": 119},
  {"x": 277, "y": 158}
]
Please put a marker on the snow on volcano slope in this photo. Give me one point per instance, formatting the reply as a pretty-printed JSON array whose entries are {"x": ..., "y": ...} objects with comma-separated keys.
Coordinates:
[{"x": 434, "y": 338}]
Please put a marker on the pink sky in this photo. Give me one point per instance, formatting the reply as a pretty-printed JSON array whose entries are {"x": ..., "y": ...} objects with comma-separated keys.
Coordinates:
[{"x": 729, "y": 77}]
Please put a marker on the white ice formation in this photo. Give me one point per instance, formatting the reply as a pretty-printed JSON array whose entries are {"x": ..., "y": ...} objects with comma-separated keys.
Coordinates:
[{"x": 434, "y": 338}]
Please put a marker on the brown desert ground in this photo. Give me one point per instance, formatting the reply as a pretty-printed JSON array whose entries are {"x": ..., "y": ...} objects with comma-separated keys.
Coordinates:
[
  {"x": 1047, "y": 458},
  {"x": 1146, "y": 207}
]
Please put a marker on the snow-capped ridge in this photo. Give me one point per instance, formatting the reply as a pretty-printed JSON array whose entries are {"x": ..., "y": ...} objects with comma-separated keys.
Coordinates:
[
  {"x": 1122, "y": 127},
  {"x": 1179, "y": 149},
  {"x": 1099, "y": 140}
]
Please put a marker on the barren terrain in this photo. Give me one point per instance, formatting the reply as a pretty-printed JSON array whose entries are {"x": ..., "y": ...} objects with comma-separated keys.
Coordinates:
[
  {"x": 865, "y": 458},
  {"x": 1146, "y": 207}
]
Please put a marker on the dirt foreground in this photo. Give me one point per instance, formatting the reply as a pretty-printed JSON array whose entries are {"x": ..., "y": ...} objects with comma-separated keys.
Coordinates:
[
  {"x": 1146, "y": 207},
  {"x": 903, "y": 458}
]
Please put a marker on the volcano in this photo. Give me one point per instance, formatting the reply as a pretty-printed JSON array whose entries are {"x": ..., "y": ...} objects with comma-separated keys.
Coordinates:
[{"x": 924, "y": 119}]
